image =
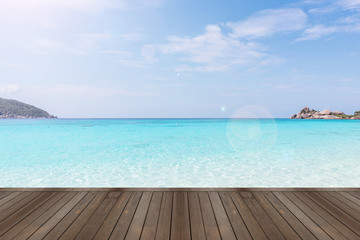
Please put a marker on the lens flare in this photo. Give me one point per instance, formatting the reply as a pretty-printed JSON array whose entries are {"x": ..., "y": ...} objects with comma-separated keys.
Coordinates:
[
  {"x": 252, "y": 129},
  {"x": 148, "y": 51}
]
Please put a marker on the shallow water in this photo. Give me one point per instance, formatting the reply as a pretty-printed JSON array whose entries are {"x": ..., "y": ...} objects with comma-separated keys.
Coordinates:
[{"x": 179, "y": 153}]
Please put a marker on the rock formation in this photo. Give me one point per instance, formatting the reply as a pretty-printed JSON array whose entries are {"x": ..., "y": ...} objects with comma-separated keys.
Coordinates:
[{"x": 307, "y": 113}]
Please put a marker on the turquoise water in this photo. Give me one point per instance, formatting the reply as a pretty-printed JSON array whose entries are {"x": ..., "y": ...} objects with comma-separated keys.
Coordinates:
[{"x": 179, "y": 153}]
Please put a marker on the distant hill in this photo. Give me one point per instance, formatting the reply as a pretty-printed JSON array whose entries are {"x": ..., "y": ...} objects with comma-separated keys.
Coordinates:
[{"x": 14, "y": 109}]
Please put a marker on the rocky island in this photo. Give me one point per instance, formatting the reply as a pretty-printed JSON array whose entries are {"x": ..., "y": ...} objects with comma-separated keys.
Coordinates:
[
  {"x": 307, "y": 113},
  {"x": 14, "y": 109}
]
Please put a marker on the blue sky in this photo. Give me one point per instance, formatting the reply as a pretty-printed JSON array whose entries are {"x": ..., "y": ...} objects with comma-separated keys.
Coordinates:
[{"x": 172, "y": 58}]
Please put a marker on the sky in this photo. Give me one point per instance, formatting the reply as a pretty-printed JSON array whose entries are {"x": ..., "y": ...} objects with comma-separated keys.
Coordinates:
[{"x": 180, "y": 58}]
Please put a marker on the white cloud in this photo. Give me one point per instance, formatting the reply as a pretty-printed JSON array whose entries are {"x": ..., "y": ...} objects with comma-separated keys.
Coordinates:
[
  {"x": 150, "y": 3},
  {"x": 312, "y": 1},
  {"x": 350, "y": 19},
  {"x": 317, "y": 32},
  {"x": 144, "y": 62},
  {"x": 349, "y": 4},
  {"x": 28, "y": 8},
  {"x": 9, "y": 88},
  {"x": 213, "y": 51},
  {"x": 13, "y": 65},
  {"x": 78, "y": 5},
  {"x": 91, "y": 41},
  {"x": 61, "y": 14},
  {"x": 268, "y": 22},
  {"x": 323, "y": 10},
  {"x": 348, "y": 24},
  {"x": 98, "y": 44},
  {"x": 86, "y": 90},
  {"x": 82, "y": 44},
  {"x": 292, "y": 87},
  {"x": 117, "y": 53},
  {"x": 337, "y": 5},
  {"x": 132, "y": 36},
  {"x": 49, "y": 47}
]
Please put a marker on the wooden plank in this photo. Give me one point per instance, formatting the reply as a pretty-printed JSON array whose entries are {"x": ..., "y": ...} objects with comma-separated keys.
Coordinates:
[
  {"x": 249, "y": 219},
  {"x": 30, "y": 229},
  {"x": 149, "y": 229},
  {"x": 4, "y": 194},
  {"x": 124, "y": 221},
  {"x": 95, "y": 221},
  {"x": 313, "y": 227},
  {"x": 81, "y": 220},
  {"x": 270, "y": 229},
  {"x": 138, "y": 220},
  {"x": 210, "y": 224},
  {"x": 295, "y": 223},
  {"x": 187, "y": 215},
  {"x": 25, "y": 222},
  {"x": 326, "y": 215},
  {"x": 164, "y": 223},
  {"x": 196, "y": 220},
  {"x": 336, "y": 212},
  {"x": 12, "y": 199},
  {"x": 7, "y": 196},
  {"x": 355, "y": 194},
  {"x": 350, "y": 197},
  {"x": 345, "y": 203},
  {"x": 236, "y": 220},
  {"x": 275, "y": 216},
  {"x": 180, "y": 224},
  {"x": 221, "y": 217},
  {"x": 51, "y": 223},
  {"x": 23, "y": 212},
  {"x": 350, "y": 211},
  {"x": 60, "y": 189},
  {"x": 14, "y": 205},
  {"x": 111, "y": 220},
  {"x": 65, "y": 222},
  {"x": 321, "y": 222}
]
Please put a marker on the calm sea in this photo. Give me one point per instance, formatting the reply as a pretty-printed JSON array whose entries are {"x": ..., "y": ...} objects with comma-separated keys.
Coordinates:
[{"x": 179, "y": 153}]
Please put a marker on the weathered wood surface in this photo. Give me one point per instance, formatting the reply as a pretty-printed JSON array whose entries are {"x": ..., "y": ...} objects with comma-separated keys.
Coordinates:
[{"x": 179, "y": 213}]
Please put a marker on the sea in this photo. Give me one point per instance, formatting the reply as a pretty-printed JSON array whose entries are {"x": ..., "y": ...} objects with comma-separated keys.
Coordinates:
[{"x": 179, "y": 153}]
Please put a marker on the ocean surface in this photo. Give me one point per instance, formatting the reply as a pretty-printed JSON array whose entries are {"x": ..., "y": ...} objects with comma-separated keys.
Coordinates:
[{"x": 179, "y": 153}]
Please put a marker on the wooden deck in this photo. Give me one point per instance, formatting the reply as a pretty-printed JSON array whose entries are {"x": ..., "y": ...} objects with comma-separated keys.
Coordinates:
[{"x": 179, "y": 214}]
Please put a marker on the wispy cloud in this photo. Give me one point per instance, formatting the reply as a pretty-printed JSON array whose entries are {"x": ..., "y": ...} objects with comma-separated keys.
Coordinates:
[
  {"x": 81, "y": 5},
  {"x": 216, "y": 51},
  {"x": 86, "y": 90},
  {"x": 106, "y": 44},
  {"x": 132, "y": 36},
  {"x": 135, "y": 63},
  {"x": 349, "y": 4},
  {"x": 86, "y": 43},
  {"x": 317, "y": 32},
  {"x": 349, "y": 24},
  {"x": 337, "y": 5},
  {"x": 292, "y": 87},
  {"x": 9, "y": 88},
  {"x": 312, "y": 1},
  {"x": 340, "y": 24},
  {"x": 13, "y": 65},
  {"x": 213, "y": 51},
  {"x": 91, "y": 41},
  {"x": 49, "y": 47},
  {"x": 268, "y": 22}
]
